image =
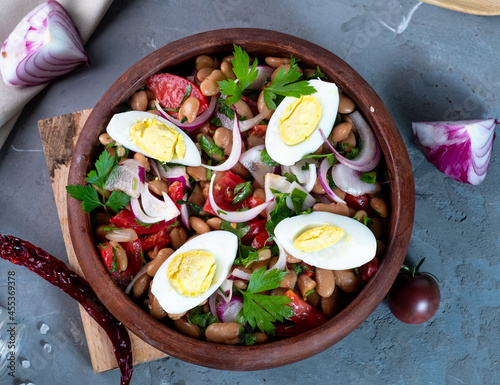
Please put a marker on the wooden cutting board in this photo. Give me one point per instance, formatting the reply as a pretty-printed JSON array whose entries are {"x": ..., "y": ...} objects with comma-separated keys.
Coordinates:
[
  {"x": 59, "y": 135},
  {"x": 474, "y": 7}
]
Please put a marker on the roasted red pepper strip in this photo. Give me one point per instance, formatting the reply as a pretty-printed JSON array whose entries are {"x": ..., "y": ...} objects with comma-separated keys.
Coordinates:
[
  {"x": 305, "y": 316},
  {"x": 57, "y": 273}
]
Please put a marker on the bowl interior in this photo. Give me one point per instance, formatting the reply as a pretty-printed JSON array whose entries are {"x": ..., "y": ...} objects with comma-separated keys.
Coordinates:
[{"x": 178, "y": 57}]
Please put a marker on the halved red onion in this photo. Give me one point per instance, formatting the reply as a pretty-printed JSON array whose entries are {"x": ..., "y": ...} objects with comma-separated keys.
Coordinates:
[
  {"x": 323, "y": 180},
  {"x": 185, "y": 213},
  {"x": 263, "y": 76},
  {"x": 43, "y": 46},
  {"x": 227, "y": 288},
  {"x": 370, "y": 154},
  {"x": 348, "y": 180},
  {"x": 250, "y": 159},
  {"x": 460, "y": 150},
  {"x": 139, "y": 274},
  {"x": 235, "y": 216},
  {"x": 199, "y": 121},
  {"x": 174, "y": 174},
  {"x": 235, "y": 150},
  {"x": 228, "y": 311},
  {"x": 128, "y": 177}
]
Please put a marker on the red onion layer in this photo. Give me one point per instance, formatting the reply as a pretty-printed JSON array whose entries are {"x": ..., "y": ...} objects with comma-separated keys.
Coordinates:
[{"x": 199, "y": 121}]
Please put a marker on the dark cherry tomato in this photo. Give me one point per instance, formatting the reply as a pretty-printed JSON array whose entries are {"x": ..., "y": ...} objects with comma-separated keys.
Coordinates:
[
  {"x": 134, "y": 256},
  {"x": 175, "y": 192},
  {"x": 125, "y": 219},
  {"x": 414, "y": 297},
  {"x": 260, "y": 129},
  {"x": 256, "y": 226},
  {"x": 357, "y": 202},
  {"x": 260, "y": 240},
  {"x": 160, "y": 239},
  {"x": 170, "y": 90}
]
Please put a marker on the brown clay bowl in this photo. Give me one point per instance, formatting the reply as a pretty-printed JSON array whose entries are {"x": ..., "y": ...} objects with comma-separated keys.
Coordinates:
[{"x": 401, "y": 199}]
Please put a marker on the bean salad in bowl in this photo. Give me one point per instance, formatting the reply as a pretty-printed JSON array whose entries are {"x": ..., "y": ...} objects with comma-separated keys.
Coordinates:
[{"x": 239, "y": 198}]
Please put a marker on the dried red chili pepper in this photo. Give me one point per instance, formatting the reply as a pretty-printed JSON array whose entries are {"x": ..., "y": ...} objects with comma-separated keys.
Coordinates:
[{"x": 57, "y": 273}]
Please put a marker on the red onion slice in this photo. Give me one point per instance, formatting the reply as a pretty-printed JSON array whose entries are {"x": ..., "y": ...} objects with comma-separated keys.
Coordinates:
[
  {"x": 323, "y": 170},
  {"x": 263, "y": 76},
  {"x": 235, "y": 150},
  {"x": 128, "y": 177},
  {"x": 240, "y": 274},
  {"x": 135, "y": 206},
  {"x": 199, "y": 121},
  {"x": 306, "y": 177},
  {"x": 235, "y": 216},
  {"x": 370, "y": 154},
  {"x": 228, "y": 311},
  {"x": 250, "y": 159},
  {"x": 212, "y": 303},
  {"x": 43, "y": 46},
  {"x": 281, "y": 262},
  {"x": 308, "y": 202},
  {"x": 185, "y": 213},
  {"x": 137, "y": 276},
  {"x": 460, "y": 150},
  {"x": 174, "y": 174},
  {"x": 348, "y": 180}
]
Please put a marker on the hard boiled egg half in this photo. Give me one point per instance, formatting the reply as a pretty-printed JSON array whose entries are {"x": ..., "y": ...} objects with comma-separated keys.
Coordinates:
[
  {"x": 195, "y": 271},
  {"x": 293, "y": 130},
  {"x": 327, "y": 240},
  {"x": 153, "y": 136}
]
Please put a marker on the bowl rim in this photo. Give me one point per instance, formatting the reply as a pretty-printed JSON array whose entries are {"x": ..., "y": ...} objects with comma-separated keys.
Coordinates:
[{"x": 292, "y": 349}]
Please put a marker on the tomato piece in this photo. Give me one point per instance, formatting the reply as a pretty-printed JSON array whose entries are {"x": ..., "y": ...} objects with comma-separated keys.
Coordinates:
[
  {"x": 367, "y": 270},
  {"x": 260, "y": 129},
  {"x": 175, "y": 192},
  {"x": 125, "y": 219},
  {"x": 260, "y": 240},
  {"x": 159, "y": 239},
  {"x": 358, "y": 202},
  {"x": 305, "y": 316},
  {"x": 256, "y": 226},
  {"x": 106, "y": 252},
  {"x": 170, "y": 89}
]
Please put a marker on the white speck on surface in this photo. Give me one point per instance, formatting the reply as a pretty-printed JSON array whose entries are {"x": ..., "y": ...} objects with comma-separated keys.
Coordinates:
[
  {"x": 372, "y": 109},
  {"x": 25, "y": 363},
  {"x": 44, "y": 328},
  {"x": 47, "y": 347},
  {"x": 30, "y": 383},
  {"x": 406, "y": 21}
]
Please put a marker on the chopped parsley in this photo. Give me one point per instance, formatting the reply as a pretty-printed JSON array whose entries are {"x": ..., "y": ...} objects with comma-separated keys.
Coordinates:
[
  {"x": 298, "y": 198},
  {"x": 196, "y": 317},
  {"x": 369, "y": 177},
  {"x": 209, "y": 147},
  {"x": 317, "y": 75},
  {"x": 266, "y": 158},
  {"x": 291, "y": 178},
  {"x": 242, "y": 191}
]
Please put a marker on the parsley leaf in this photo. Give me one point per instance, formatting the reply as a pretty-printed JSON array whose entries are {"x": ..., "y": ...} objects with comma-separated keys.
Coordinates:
[
  {"x": 369, "y": 177},
  {"x": 298, "y": 197},
  {"x": 209, "y": 147},
  {"x": 240, "y": 231},
  {"x": 331, "y": 157},
  {"x": 196, "y": 208},
  {"x": 114, "y": 265},
  {"x": 247, "y": 255},
  {"x": 245, "y": 75},
  {"x": 196, "y": 317},
  {"x": 88, "y": 193},
  {"x": 242, "y": 191},
  {"x": 317, "y": 75},
  {"x": 279, "y": 213},
  {"x": 287, "y": 84},
  {"x": 266, "y": 158},
  {"x": 291, "y": 178},
  {"x": 262, "y": 310}
]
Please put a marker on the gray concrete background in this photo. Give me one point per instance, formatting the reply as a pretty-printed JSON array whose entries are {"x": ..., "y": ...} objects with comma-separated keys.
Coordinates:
[{"x": 443, "y": 65}]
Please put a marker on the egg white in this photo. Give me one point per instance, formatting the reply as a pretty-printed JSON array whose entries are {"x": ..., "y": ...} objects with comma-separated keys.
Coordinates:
[
  {"x": 356, "y": 247},
  {"x": 222, "y": 244},
  {"x": 119, "y": 127},
  {"x": 328, "y": 97}
]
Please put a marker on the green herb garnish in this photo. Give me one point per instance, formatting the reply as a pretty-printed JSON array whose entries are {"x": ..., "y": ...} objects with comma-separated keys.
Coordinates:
[
  {"x": 242, "y": 191},
  {"x": 369, "y": 177},
  {"x": 209, "y": 147},
  {"x": 266, "y": 158}
]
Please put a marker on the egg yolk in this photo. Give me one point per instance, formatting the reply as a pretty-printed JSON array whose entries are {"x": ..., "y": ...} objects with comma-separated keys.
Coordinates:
[
  {"x": 318, "y": 238},
  {"x": 158, "y": 140},
  {"x": 191, "y": 273},
  {"x": 299, "y": 120}
]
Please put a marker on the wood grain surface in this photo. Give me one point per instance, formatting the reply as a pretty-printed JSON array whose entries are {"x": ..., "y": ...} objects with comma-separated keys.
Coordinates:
[
  {"x": 475, "y": 7},
  {"x": 59, "y": 135}
]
